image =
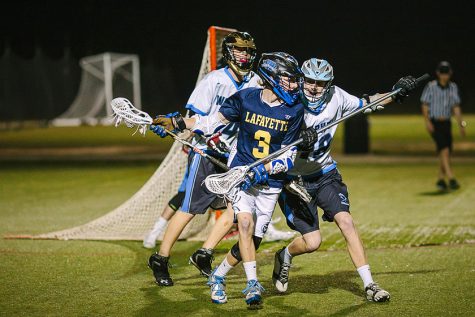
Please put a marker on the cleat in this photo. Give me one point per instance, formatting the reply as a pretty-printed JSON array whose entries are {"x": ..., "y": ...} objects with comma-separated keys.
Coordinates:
[
  {"x": 374, "y": 293},
  {"x": 280, "y": 276},
  {"x": 272, "y": 234},
  {"x": 159, "y": 265},
  {"x": 202, "y": 260},
  {"x": 453, "y": 184},
  {"x": 441, "y": 185},
  {"x": 253, "y": 292},
  {"x": 218, "y": 289}
]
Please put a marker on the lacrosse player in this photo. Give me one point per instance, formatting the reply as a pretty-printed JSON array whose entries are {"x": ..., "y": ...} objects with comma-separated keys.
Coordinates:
[
  {"x": 325, "y": 103},
  {"x": 269, "y": 119},
  {"x": 239, "y": 51}
]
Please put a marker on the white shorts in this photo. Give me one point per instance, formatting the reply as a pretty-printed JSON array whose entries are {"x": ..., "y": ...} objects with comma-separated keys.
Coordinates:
[{"x": 261, "y": 203}]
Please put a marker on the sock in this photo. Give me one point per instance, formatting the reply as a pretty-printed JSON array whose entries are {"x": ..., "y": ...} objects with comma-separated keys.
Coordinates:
[
  {"x": 365, "y": 274},
  {"x": 251, "y": 270},
  {"x": 160, "y": 224},
  {"x": 287, "y": 256},
  {"x": 223, "y": 268}
]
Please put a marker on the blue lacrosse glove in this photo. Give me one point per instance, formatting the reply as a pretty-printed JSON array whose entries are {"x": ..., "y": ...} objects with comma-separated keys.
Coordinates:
[
  {"x": 158, "y": 129},
  {"x": 259, "y": 177}
]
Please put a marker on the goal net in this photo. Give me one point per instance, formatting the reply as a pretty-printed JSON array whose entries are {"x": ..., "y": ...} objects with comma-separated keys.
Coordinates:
[
  {"x": 103, "y": 76},
  {"x": 134, "y": 218}
]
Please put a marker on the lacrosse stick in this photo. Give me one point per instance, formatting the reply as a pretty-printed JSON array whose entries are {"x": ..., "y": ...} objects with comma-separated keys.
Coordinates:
[
  {"x": 222, "y": 184},
  {"x": 125, "y": 112}
]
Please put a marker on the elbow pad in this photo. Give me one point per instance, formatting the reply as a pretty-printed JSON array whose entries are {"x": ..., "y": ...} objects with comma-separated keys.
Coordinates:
[{"x": 284, "y": 162}]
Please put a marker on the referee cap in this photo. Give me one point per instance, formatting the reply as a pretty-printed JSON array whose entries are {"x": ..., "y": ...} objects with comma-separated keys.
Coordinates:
[{"x": 444, "y": 67}]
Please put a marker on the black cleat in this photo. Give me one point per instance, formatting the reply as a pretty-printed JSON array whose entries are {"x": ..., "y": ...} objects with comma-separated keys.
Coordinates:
[
  {"x": 159, "y": 265},
  {"x": 202, "y": 260},
  {"x": 441, "y": 185},
  {"x": 453, "y": 184},
  {"x": 280, "y": 275},
  {"x": 374, "y": 293}
]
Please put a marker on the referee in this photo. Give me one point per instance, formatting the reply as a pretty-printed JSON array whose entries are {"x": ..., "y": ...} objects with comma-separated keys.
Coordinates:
[{"x": 440, "y": 99}]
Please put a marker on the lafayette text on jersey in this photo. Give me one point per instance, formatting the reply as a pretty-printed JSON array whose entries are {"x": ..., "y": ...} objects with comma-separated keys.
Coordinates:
[{"x": 263, "y": 129}]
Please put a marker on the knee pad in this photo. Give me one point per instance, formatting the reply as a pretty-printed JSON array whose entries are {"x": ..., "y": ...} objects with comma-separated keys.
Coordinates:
[{"x": 235, "y": 248}]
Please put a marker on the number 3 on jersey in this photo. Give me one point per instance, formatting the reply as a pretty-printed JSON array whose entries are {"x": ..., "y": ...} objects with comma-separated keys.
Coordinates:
[{"x": 262, "y": 149}]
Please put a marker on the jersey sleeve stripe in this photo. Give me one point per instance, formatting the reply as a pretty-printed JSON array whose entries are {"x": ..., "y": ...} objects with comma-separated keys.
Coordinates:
[{"x": 196, "y": 110}]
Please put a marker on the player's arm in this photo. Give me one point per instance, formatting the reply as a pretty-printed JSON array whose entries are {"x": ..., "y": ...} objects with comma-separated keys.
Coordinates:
[
  {"x": 204, "y": 124},
  {"x": 406, "y": 84},
  {"x": 285, "y": 161}
]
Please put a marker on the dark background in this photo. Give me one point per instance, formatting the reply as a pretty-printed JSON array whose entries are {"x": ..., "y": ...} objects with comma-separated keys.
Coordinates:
[{"x": 370, "y": 44}]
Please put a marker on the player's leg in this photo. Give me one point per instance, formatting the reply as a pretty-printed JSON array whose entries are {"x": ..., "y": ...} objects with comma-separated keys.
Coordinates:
[
  {"x": 303, "y": 218},
  {"x": 160, "y": 225},
  {"x": 203, "y": 257},
  {"x": 333, "y": 199},
  {"x": 195, "y": 202}
]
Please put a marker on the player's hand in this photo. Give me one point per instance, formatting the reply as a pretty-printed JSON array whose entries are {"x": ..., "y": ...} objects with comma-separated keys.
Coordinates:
[
  {"x": 462, "y": 132},
  {"x": 257, "y": 176},
  {"x": 166, "y": 121},
  {"x": 406, "y": 84},
  {"x": 214, "y": 142},
  {"x": 429, "y": 127},
  {"x": 158, "y": 130},
  {"x": 309, "y": 137}
]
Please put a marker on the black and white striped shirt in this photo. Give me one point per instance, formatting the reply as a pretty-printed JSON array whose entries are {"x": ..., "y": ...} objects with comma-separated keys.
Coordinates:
[{"x": 440, "y": 99}]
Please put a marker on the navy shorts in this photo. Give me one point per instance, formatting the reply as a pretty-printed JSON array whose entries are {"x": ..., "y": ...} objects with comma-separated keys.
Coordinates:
[
  {"x": 328, "y": 192},
  {"x": 198, "y": 198}
]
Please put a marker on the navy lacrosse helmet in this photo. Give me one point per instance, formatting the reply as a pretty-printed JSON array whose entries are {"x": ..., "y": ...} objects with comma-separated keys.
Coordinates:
[{"x": 272, "y": 67}]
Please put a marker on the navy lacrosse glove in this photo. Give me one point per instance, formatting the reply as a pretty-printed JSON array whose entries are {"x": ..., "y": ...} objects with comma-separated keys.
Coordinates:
[
  {"x": 259, "y": 177},
  {"x": 406, "y": 84},
  {"x": 158, "y": 129}
]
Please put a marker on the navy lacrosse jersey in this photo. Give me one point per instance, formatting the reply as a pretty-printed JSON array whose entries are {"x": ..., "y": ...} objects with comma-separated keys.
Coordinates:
[{"x": 263, "y": 129}]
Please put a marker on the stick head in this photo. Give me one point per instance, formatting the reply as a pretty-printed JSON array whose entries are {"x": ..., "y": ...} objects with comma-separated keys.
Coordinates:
[
  {"x": 124, "y": 111},
  {"x": 224, "y": 183}
]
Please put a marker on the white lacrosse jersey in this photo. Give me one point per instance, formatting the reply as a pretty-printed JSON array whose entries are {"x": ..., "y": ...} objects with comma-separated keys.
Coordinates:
[
  {"x": 319, "y": 161},
  {"x": 210, "y": 93}
]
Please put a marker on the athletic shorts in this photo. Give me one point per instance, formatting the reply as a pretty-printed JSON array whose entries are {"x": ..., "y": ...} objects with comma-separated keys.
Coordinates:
[
  {"x": 197, "y": 198},
  {"x": 442, "y": 134},
  {"x": 261, "y": 203},
  {"x": 328, "y": 192}
]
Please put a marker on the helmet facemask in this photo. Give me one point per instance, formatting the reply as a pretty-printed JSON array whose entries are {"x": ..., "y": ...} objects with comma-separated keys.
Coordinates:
[
  {"x": 239, "y": 51},
  {"x": 318, "y": 75}
]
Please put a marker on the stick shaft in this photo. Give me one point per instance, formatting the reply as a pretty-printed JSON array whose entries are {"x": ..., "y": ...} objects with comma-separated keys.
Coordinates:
[{"x": 198, "y": 151}]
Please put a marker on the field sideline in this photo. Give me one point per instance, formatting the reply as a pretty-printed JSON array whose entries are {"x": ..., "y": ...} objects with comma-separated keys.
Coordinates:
[{"x": 420, "y": 242}]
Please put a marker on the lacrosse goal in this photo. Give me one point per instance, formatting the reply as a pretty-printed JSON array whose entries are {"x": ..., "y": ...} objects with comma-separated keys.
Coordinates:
[{"x": 134, "y": 218}]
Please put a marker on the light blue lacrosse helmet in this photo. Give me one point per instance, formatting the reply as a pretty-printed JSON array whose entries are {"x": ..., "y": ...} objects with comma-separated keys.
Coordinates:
[{"x": 318, "y": 70}]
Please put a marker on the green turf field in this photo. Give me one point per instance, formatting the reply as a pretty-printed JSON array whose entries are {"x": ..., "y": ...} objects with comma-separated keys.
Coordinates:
[{"x": 420, "y": 242}]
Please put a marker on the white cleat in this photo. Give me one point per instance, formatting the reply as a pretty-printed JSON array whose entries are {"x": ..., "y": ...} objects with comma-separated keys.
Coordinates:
[
  {"x": 253, "y": 292},
  {"x": 272, "y": 234},
  {"x": 218, "y": 289}
]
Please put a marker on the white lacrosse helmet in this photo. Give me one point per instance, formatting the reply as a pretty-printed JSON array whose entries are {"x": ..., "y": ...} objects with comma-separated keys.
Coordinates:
[{"x": 317, "y": 70}]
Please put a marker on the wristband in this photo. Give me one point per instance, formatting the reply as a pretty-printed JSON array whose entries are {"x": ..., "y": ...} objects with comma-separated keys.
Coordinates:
[
  {"x": 463, "y": 124},
  {"x": 180, "y": 124}
]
